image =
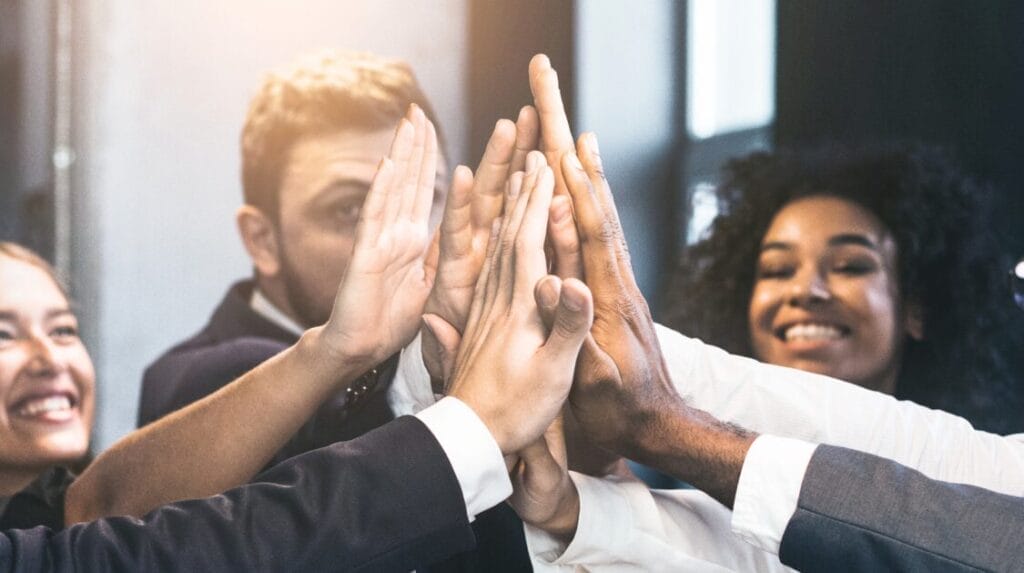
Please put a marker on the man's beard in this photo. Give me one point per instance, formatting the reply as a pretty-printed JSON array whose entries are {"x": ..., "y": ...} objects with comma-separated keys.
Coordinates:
[{"x": 301, "y": 299}]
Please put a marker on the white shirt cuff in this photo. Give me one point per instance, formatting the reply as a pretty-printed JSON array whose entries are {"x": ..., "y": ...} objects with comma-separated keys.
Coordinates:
[
  {"x": 410, "y": 391},
  {"x": 769, "y": 489},
  {"x": 472, "y": 452},
  {"x": 606, "y": 524}
]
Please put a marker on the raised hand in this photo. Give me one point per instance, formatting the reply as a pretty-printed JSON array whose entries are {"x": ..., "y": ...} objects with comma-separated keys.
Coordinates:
[
  {"x": 380, "y": 300},
  {"x": 621, "y": 377},
  {"x": 510, "y": 369},
  {"x": 555, "y": 134},
  {"x": 473, "y": 204}
]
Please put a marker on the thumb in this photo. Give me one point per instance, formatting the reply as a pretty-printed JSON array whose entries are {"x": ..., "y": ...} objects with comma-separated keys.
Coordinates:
[
  {"x": 430, "y": 261},
  {"x": 448, "y": 339},
  {"x": 572, "y": 318},
  {"x": 547, "y": 293}
]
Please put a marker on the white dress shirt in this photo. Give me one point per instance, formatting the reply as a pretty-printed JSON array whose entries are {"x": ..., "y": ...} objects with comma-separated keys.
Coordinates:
[
  {"x": 805, "y": 407},
  {"x": 472, "y": 452},
  {"x": 685, "y": 528}
]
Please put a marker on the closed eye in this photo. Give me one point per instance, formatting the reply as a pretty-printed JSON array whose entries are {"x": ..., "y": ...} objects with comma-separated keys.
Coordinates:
[{"x": 774, "y": 272}]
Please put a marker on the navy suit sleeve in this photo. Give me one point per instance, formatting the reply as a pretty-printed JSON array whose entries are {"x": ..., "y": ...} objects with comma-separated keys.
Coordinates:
[
  {"x": 179, "y": 379},
  {"x": 388, "y": 501},
  {"x": 859, "y": 512}
]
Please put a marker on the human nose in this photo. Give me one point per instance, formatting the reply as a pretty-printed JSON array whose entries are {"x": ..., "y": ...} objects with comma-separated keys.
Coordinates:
[
  {"x": 43, "y": 356},
  {"x": 808, "y": 287}
]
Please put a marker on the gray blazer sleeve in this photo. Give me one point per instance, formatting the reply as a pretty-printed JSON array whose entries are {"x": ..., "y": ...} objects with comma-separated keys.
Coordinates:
[
  {"x": 388, "y": 501},
  {"x": 859, "y": 512}
]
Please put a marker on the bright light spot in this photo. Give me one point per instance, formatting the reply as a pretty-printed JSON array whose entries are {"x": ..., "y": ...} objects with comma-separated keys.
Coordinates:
[{"x": 703, "y": 210}]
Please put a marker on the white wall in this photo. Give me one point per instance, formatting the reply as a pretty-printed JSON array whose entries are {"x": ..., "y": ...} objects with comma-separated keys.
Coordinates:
[{"x": 162, "y": 89}]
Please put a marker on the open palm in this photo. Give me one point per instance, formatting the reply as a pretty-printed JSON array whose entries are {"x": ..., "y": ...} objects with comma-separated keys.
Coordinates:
[{"x": 380, "y": 300}]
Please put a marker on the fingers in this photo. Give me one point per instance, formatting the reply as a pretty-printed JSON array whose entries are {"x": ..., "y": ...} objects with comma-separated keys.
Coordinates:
[
  {"x": 598, "y": 234},
  {"x": 564, "y": 240},
  {"x": 492, "y": 173},
  {"x": 527, "y": 136},
  {"x": 502, "y": 259},
  {"x": 456, "y": 229},
  {"x": 448, "y": 339},
  {"x": 573, "y": 318},
  {"x": 510, "y": 263},
  {"x": 556, "y": 137},
  {"x": 477, "y": 308},
  {"x": 372, "y": 214},
  {"x": 531, "y": 263},
  {"x": 402, "y": 149},
  {"x": 547, "y": 292},
  {"x": 590, "y": 157},
  {"x": 430, "y": 261},
  {"x": 410, "y": 180},
  {"x": 423, "y": 198}
]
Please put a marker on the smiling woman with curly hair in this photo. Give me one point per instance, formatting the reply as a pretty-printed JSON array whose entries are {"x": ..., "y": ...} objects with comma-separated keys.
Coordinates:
[{"x": 871, "y": 265}]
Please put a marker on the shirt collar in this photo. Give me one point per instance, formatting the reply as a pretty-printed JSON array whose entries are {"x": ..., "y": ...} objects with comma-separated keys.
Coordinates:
[{"x": 263, "y": 307}]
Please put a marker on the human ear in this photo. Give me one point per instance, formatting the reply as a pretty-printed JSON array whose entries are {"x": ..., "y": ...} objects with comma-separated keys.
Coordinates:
[{"x": 259, "y": 235}]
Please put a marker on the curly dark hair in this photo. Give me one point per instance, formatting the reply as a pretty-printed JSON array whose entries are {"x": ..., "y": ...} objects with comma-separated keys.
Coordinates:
[{"x": 948, "y": 260}]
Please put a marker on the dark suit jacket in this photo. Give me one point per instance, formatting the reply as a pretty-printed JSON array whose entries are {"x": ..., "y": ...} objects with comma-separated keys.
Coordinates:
[
  {"x": 859, "y": 512},
  {"x": 383, "y": 502},
  {"x": 236, "y": 340}
]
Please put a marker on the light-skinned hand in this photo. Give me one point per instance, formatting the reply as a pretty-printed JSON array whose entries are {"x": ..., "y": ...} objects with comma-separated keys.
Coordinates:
[
  {"x": 474, "y": 202},
  {"x": 380, "y": 300},
  {"x": 510, "y": 369}
]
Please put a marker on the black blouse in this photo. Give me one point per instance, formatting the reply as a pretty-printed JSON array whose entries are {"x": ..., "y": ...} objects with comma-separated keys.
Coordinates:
[{"x": 40, "y": 503}]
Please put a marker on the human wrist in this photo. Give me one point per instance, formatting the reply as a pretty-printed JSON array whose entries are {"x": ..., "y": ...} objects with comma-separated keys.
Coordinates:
[
  {"x": 330, "y": 359},
  {"x": 562, "y": 525},
  {"x": 693, "y": 446},
  {"x": 492, "y": 418}
]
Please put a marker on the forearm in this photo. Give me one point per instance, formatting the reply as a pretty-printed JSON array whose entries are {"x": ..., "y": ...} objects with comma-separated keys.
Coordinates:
[
  {"x": 318, "y": 511},
  {"x": 214, "y": 444},
  {"x": 795, "y": 404},
  {"x": 693, "y": 446}
]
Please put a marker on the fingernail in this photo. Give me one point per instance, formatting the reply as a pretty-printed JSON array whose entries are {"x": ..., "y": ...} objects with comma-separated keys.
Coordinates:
[
  {"x": 592, "y": 141},
  {"x": 575, "y": 161},
  {"x": 538, "y": 160},
  {"x": 572, "y": 299},
  {"x": 531, "y": 163},
  {"x": 547, "y": 295}
]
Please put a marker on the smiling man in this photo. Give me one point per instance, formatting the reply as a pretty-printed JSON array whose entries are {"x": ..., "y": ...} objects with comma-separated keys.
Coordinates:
[{"x": 312, "y": 140}]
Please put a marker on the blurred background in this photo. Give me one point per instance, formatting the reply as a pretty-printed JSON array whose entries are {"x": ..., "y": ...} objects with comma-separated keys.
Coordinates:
[{"x": 119, "y": 120}]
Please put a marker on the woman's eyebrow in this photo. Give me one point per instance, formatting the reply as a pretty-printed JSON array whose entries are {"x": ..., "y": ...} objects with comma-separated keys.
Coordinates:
[
  {"x": 852, "y": 239},
  {"x": 57, "y": 312},
  {"x": 776, "y": 245}
]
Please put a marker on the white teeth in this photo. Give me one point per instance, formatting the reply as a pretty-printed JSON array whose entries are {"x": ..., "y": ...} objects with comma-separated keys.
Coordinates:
[
  {"x": 812, "y": 332},
  {"x": 44, "y": 405}
]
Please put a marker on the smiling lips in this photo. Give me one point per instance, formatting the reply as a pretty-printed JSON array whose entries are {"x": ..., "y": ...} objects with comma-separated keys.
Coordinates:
[
  {"x": 811, "y": 332},
  {"x": 52, "y": 407}
]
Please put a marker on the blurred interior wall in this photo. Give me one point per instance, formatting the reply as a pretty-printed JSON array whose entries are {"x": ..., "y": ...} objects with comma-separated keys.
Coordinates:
[{"x": 161, "y": 92}]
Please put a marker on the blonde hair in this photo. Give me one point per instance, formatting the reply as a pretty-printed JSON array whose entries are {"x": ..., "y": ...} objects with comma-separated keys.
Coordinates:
[
  {"x": 26, "y": 255},
  {"x": 318, "y": 94}
]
